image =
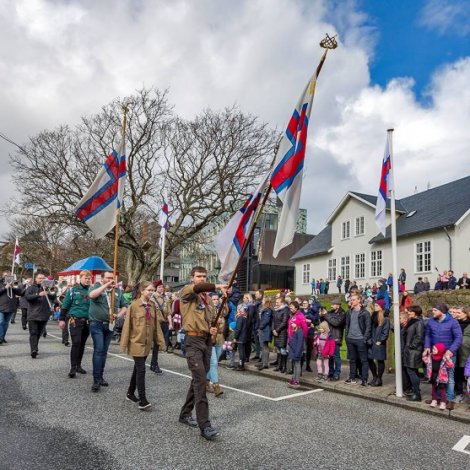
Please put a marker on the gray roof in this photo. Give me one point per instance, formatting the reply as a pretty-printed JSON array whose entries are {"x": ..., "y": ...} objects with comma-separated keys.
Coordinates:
[
  {"x": 435, "y": 208},
  {"x": 320, "y": 244}
]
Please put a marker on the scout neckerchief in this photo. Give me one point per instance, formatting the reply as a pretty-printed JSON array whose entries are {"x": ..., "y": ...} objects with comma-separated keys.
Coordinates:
[{"x": 148, "y": 317}]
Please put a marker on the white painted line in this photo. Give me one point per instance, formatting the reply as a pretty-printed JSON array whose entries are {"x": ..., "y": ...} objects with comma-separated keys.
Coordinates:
[
  {"x": 246, "y": 392},
  {"x": 294, "y": 395},
  {"x": 461, "y": 446}
]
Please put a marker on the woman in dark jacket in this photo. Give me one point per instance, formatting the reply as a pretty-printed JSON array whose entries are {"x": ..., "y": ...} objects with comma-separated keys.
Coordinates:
[
  {"x": 380, "y": 327},
  {"x": 280, "y": 317},
  {"x": 265, "y": 331},
  {"x": 413, "y": 350},
  {"x": 251, "y": 323},
  {"x": 241, "y": 335}
]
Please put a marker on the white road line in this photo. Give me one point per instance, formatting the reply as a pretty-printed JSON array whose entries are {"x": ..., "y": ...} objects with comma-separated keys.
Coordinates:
[
  {"x": 462, "y": 445},
  {"x": 246, "y": 392}
]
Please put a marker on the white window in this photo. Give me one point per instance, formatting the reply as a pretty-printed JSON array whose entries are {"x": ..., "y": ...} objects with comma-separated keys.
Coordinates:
[
  {"x": 359, "y": 226},
  {"x": 332, "y": 269},
  {"x": 306, "y": 273},
  {"x": 376, "y": 263},
  {"x": 423, "y": 257},
  {"x": 346, "y": 230},
  {"x": 360, "y": 266},
  {"x": 345, "y": 267}
]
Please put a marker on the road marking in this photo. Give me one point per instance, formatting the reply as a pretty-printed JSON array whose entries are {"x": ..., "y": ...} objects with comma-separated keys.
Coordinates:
[
  {"x": 462, "y": 445},
  {"x": 246, "y": 392}
]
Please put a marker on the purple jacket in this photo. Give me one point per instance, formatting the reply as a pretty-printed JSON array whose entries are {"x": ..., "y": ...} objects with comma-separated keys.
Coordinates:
[
  {"x": 466, "y": 372},
  {"x": 447, "y": 332}
]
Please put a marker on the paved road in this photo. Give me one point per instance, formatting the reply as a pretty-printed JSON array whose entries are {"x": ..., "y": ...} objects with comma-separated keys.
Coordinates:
[{"x": 48, "y": 421}]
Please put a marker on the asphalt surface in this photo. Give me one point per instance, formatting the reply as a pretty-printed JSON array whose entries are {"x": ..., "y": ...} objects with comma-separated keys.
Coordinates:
[{"x": 48, "y": 421}]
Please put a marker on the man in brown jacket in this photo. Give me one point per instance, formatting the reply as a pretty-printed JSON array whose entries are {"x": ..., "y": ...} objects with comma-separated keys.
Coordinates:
[{"x": 196, "y": 310}]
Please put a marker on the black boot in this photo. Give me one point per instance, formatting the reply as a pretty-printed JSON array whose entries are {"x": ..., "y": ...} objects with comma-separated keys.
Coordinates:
[
  {"x": 276, "y": 362},
  {"x": 282, "y": 369},
  {"x": 291, "y": 368},
  {"x": 378, "y": 383},
  {"x": 414, "y": 397},
  {"x": 373, "y": 382},
  {"x": 73, "y": 372}
]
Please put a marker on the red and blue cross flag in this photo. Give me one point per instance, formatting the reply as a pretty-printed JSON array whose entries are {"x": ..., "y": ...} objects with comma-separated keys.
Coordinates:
[
  {"x": 163, "y": 221},
  {"x": 385, "y": 186},
  {"x": 286, "y": 178},
  {"x": 98, "y": 206}
]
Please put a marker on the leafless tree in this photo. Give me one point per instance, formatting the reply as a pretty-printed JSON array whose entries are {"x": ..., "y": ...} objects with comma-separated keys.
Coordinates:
[{"x": 204, "y": 166}]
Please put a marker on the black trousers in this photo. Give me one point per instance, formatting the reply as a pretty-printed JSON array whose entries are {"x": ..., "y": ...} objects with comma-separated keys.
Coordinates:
[
  {"x": 79, "y": 332},
  {"x": 155, "y": 349},
  {"x": 198, "y": 356},
  {"x": 138, "y": 377},
  {"x": 24, "y": 318},
  {"x": 357, "y": 352},
  {"x": 36, "y": 329}
]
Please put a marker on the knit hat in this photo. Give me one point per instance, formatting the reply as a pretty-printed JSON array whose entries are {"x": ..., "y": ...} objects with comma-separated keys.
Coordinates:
[
  {"x": 336, "y": 302},
  {"x": 441, "y": 307},
  {"x": 157, "y": 283},
  {"x": 381, "y": 302},
  {"x": 441, "y": 349}
]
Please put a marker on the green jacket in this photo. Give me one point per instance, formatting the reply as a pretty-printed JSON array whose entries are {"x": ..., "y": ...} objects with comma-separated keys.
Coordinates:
[
  {"x": 99, "y": 307},
  {"x": 76, "y": 302}
]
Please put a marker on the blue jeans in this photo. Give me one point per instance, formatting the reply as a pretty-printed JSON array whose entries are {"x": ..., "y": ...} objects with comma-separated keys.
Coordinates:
[
  {"x": 335, "y": 362},
  {"x": 213, "y": 374},
  {"x": 5, "y": 318},
  {"x": 101, "y": 336},
  {"x": 450, "y": 395}
]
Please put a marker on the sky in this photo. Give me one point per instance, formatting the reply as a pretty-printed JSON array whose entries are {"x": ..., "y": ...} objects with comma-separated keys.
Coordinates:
[{"x": 401, "y": 64}]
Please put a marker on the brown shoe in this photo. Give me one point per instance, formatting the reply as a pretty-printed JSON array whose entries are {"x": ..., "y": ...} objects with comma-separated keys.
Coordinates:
[
  {"x": 428, "y": 402},
  {"x": 209, "y": 387},
  {"x": 450, "y": 405},
  {"x": 218, "y": 390}
]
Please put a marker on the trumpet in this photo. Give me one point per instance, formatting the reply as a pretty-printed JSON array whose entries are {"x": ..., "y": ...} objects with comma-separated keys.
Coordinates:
[{"x": 50, "y": 288}]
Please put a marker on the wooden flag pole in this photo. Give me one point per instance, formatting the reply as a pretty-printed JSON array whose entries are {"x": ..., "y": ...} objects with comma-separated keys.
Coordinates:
[{"x": 118, "y": 217}]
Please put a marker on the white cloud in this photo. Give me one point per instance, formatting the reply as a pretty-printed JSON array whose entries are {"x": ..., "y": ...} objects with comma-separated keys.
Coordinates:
[
  {"x": 447, "y": 16},
  {"x": 63, "y": 59}
]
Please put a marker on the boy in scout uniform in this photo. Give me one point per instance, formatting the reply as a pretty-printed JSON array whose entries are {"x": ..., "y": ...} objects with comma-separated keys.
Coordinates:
[
  {"x": 76, "y": 305},
  {"x": 197, "y": 311}
]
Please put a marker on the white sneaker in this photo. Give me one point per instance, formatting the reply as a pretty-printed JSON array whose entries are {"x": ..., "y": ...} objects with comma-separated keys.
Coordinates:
[
  {"x": 433, "y": 404},
  {"x": 442, "y": 406}
]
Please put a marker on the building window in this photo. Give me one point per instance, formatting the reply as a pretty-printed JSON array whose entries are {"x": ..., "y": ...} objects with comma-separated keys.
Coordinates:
[
  {"x": 376, "y": 263},
  {"x": 346, "y": 230},
  {"x": 345, "y": 267},
  {"x": 423, "y": 257},
  {"x": 332, "y": 269},
  {"x": 360, "y": 226},
  {"x": 360, "y": 266},
  {"x": 306, "y": 273}
]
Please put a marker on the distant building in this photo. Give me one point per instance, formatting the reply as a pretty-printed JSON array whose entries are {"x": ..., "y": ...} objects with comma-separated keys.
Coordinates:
[{"x": 433, "y": 231}]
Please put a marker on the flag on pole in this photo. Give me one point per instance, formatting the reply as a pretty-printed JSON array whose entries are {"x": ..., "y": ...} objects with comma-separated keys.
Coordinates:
[
  {"x": 16, "y": 253},
  {"x": 163, "y": 221},
  {"x": 385, "y": 186},
  {"x": 286, "y": 178},
  {"x": 98, "y": 206},
  {"x": 230, "y": 240}
]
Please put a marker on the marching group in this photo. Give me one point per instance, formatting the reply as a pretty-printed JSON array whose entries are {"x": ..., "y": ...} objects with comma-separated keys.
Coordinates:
[{"x": 212, "y": 324}]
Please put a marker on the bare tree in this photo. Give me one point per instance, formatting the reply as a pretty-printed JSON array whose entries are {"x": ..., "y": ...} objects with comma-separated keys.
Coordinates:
[{"x": 205, "y": 166}]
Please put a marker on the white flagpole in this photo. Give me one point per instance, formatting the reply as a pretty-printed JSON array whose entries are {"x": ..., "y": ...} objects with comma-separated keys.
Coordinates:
[
  {"x": 162, "y": 259},
  {"x": 396, "y": 309}
]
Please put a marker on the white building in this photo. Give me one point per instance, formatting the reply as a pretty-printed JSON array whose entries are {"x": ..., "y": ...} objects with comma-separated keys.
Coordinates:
[{"x": 433, "y": 231}]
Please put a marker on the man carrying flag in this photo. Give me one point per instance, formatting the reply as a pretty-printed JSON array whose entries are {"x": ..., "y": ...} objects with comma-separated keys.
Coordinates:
[{"x": 286, "y": 178}]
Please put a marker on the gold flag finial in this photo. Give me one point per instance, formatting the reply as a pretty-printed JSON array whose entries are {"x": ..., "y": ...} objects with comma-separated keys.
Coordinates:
[{"x": 329, "y": 42}]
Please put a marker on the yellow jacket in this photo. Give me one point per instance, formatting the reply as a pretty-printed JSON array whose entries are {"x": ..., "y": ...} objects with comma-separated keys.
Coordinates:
[{"x": 137, "y": 334}]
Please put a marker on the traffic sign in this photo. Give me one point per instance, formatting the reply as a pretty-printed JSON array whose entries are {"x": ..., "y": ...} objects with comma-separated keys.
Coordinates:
[{"x": 29, "y": 266}]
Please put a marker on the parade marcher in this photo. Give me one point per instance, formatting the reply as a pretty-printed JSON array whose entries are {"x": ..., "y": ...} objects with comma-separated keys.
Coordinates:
[
  {"x": 163, "y": 306},
  {"x": 380, "y": 328},
  {"x": 336, "y": 319},
  {"x": 413, "y": 350},
  {"x": 101, "y": 324},
  {"x": 74, "y": 309},
  {"x": 8, "y": 302},
  {"x": 280, "y": 319},
  {"x": 141, "y": 328},
  {"x": 196, "y": 310},
  {"x": 443, "y": 329},
  {"x": 213, "y": 385},
  {"x": 358, "y": 336},
  {"x": 23, "y": 303},
  {"x": 39, "y": 310}
]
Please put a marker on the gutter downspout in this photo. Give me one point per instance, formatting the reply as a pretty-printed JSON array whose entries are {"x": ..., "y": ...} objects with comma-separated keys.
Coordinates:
[{"x": 450, "y": 248}]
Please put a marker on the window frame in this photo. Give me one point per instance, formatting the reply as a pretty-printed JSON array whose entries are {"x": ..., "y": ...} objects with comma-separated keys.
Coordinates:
[
  {"x": 375, "y": 261},
  {"x": 306, "y": 271},
  {"x": 348, "y": 222},
  {"x": 356, "y": 234},
  {"x": 423, "y": 254},
  {"x": 360, "y": 264}
]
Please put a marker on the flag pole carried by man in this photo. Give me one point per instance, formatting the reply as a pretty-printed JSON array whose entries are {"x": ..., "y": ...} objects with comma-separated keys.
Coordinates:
[
  {"x": 386, "y": 190},
  {"x": 16, "y": 257},
  {"x": 163, "y": 221}
]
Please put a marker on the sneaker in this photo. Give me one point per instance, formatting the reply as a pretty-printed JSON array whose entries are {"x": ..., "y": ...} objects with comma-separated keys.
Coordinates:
[
  {"x": 335, "y": 378},
  {"x": 188, "y": 420},
  {"x": 144, "y": 405},
  {"x": 442, "y": 406},
  {"x": 209, "y": 433},
  {"x": 350, "y": 381},
  {"x": 433, "y": 404},
  {"x": 364, "y": 383},
  {"x": 132, "y": 397},
  {"x": 293, "y": 384},
  {"x": 458, "y": 399}
]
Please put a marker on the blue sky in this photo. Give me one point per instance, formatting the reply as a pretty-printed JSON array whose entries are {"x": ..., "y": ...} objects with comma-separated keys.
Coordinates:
[{"x": 414, "y": 38}]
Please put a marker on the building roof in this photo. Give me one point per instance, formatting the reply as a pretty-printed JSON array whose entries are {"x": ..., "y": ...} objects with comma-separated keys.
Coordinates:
[
  {"x": 320, "y": 244},
  {"x": 432, "y": 209},
  {"x": 435, "y": 208},
  {"x": 285, "y": 255}
]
